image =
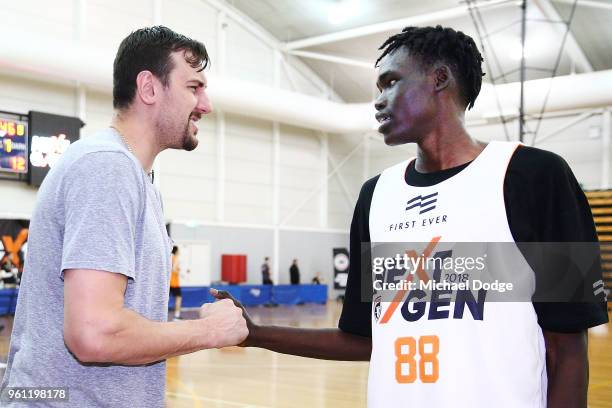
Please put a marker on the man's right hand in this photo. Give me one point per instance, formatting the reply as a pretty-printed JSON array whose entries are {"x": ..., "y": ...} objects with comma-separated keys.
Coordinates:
[
  {"x": 228, "y": 326},
  {"x": 222, "y": 295}
]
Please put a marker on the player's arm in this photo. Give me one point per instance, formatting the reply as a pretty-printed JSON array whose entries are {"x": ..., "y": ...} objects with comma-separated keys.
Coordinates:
[
  {"x": 558, "y": 212},
  {"x": 98, "y": 328},
  {"x": 565, "y": 332},
  {"x": 326, "y": 344},
  {"x": 568, "y": 369}
]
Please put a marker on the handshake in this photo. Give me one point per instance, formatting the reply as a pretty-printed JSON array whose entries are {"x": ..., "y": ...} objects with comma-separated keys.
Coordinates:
[{"x": 227, "y": 321}]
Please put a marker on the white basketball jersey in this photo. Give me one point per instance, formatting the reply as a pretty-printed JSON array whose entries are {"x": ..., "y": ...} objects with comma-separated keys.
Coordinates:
[{"x": 450, "y": 359}]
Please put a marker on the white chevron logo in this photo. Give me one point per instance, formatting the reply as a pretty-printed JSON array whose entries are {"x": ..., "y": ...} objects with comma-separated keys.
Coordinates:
[{"x": 598, "y": 287}]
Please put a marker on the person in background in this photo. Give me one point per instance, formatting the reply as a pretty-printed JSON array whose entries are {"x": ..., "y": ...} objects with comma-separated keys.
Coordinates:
[
  {"x": 294, "y": 273},
  {"x": 8, "y": 273},
  {"x": 265, "y": 272},
  {"x": 175, "y": 285}
]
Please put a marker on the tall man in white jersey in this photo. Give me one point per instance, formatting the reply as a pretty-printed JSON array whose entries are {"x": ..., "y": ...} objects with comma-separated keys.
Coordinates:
[
  {"x": 426, "y": 353},
  {"x": 91, "y": 316}
]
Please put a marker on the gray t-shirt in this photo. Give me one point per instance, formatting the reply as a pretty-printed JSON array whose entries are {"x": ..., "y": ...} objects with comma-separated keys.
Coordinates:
[{"x": 96, "y": 209}]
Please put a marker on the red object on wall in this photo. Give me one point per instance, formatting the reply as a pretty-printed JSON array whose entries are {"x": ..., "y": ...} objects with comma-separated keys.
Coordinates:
[{"x": 233, "y": 268}]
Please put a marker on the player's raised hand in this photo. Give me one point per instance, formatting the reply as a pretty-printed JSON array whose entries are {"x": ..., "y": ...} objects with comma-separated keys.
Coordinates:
[
  {"x": 229, "y": 327},
  {"x": 224, "y": 295}
]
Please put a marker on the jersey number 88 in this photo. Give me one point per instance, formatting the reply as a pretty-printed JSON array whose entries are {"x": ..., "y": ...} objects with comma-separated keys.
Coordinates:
[{"x": 406, "y": 365}]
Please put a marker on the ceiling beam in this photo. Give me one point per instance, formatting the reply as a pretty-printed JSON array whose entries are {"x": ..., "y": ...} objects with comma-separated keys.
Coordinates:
[
  {"x": 261, "y": 34},
  {"x": 242, "y": 19},
  {"x": 333, "y": 58},
  {"x": 573, "y": 49},
  {"x": 393, "y": 25}
]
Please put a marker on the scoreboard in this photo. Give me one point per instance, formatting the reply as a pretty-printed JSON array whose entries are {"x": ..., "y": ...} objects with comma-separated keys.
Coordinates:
[
  {"x": 13, "y": 145},
  {"x": 31, "y": 144}
]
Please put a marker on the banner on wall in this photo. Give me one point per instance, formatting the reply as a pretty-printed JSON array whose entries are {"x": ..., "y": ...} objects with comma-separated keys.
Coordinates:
[
  {"x": 341, "y": 267},
  {"x": 13, "y": 243},
  {"x": 50, "y": 136}
]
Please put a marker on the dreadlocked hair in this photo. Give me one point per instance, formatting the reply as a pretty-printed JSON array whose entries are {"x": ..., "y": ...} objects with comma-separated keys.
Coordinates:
[{"x": 438, "y": 44}]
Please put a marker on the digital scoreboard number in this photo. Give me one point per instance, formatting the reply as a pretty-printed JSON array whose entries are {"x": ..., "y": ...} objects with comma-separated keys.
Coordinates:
[{"x": 13, "y": 145}]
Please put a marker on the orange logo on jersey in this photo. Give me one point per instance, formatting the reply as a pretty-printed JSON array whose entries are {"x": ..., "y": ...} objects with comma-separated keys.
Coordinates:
[{"x": 422, "y": 275}]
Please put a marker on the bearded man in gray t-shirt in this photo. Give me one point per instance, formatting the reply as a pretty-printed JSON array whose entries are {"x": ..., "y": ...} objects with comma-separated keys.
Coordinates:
[{"x": 93, "y": 302}]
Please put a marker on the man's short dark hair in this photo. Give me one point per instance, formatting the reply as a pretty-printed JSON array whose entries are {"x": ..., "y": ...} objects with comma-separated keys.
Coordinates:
[
  {"x": 149, "y": 49},
  {"x": 439, "y": 44}
]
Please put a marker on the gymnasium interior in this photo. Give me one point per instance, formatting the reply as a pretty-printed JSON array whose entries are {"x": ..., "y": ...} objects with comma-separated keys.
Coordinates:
[{"x": 283, "y": 156}]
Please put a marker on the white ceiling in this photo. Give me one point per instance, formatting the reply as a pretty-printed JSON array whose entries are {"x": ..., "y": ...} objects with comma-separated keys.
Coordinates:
[{"x": 291, "y": 20}]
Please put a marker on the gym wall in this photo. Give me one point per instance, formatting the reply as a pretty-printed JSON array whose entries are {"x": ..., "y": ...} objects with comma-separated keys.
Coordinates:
[{"x": 313, "y": 250}]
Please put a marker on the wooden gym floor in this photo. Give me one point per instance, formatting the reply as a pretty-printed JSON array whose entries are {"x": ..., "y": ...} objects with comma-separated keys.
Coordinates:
[{"x": 250, "y": 378}]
